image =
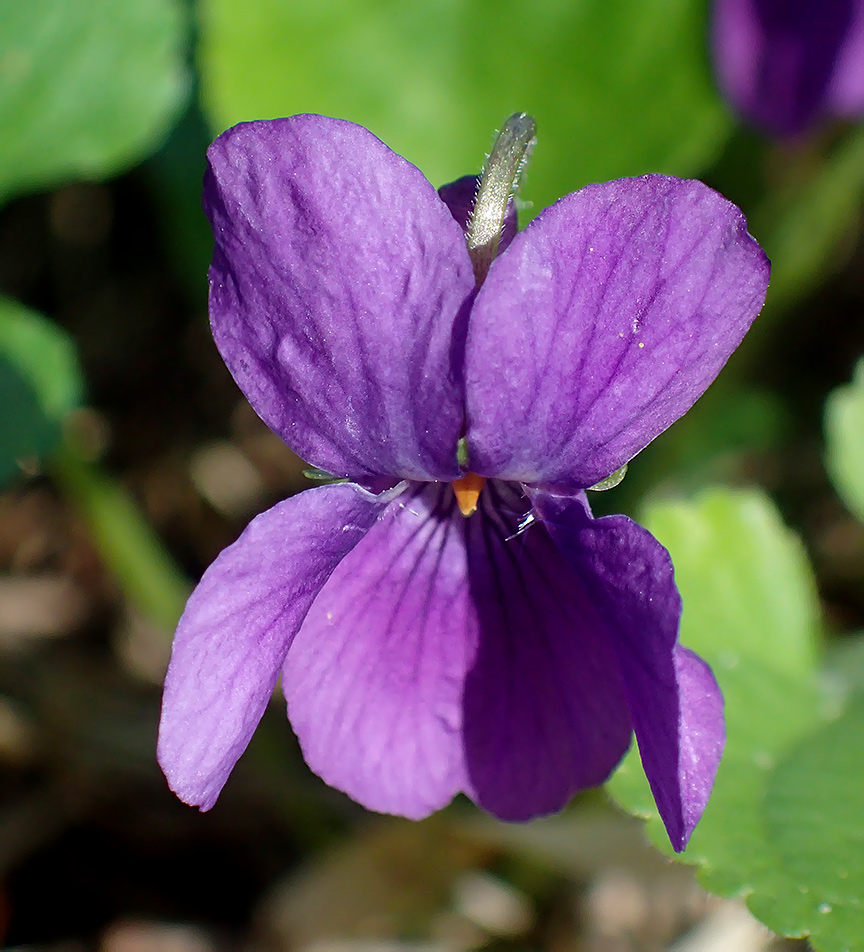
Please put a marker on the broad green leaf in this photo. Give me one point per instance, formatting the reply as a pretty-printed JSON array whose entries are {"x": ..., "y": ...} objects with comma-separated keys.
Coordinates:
[
  {"x": 40, "y": 382},
  {"x": 750, "y": 609},
  {"x": 86, "y": 86},
  {"x": 25, "y": 429},
  {"x": 618, "y": 87},
  {"x": 844, "y": 437},
  {"x": 814, "y": 817},
  {"x": 44, "y": 354},
  {"x": 745, "y": 581}
]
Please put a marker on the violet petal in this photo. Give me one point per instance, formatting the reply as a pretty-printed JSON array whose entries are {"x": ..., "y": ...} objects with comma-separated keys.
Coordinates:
[
  {"x": 238, "y": 625},
  {"x": 845, "y": 95},
  {"x": 674, "y": 701},
  {"x": 545, "y": 714},
  {"x": 374, "y": 678},
  {"x": 450, "y": 654},
  {"x": 602, "y": 324},
  {"x": 775, "y": 59},
  {"x": 337, "y": 277}
]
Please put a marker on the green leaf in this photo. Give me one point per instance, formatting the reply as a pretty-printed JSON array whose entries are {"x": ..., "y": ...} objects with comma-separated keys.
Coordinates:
[
  {"x": 747, "y": 587},
  {"x": 86, "y": 87},
  {"x": 44, "y": 354},
  {"x": 750, "y": 609},
  {"x": 815, "y": 823},
  {"x": 25, "y": 430},
  {"x": 618, "y": 87},
  {"x": 802, "y": 227},
  {"x": 40, "y": 382},
  {"x": 844, "y": 437}
]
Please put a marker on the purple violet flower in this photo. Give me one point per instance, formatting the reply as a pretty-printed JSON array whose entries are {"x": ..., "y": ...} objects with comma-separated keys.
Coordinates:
[
  {"x": 786, "y": 64},
  {"x": 453, "y": 619}
]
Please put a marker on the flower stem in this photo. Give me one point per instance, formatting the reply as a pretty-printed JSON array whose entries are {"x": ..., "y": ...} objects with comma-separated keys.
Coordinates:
[{"x": 499, "y": 180}]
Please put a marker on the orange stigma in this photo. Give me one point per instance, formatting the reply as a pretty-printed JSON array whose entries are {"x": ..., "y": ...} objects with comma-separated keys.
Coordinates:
[{"x": 467, "y": 491}]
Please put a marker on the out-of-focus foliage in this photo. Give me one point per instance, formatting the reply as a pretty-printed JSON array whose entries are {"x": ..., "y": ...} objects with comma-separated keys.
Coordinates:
[
  {"x": 86, "y": 87},
  {"x": 815, "y": 825},
  {"x": 618, "y": 87},
  {"x": 26, "y": 432},
  {"x": 750, "y": 609},
  {"x": 803, "y": 222},
  {"x": 133, "y": 552},
  {"x": 40, "y": 383},
  {"x": 844, "y": 434}
]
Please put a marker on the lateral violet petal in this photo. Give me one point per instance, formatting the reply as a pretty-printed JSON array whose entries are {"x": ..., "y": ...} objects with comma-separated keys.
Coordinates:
[
  {"x": 238, "y": 625},
  {"x": 674, "y": 701},
  {"x": 603, "y": 323},
  {"x": 339, "y": 282},
  {"x": 449, "y": 654}
]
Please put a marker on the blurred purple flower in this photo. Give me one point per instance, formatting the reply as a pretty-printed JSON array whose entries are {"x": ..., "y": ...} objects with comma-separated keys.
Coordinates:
[
  {"x": 786, "y": 64},
  {"x": 509, "y": 655}
]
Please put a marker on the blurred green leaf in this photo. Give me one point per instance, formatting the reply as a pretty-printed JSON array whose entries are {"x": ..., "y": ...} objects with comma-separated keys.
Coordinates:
[
  {"x": 40, "y": 382},
  {"x": 844, "y": 439},
  {"x": 815, "y": 823},
  {"x": 25, "y": 430},
  {"x": 618, "y": 87},
  {"x": 127, "y": 542},
  {"x": 750, "y": 609},
  {"x": 44, "y": 354},
  {"x": 86, "y": 86},
  {"x": 745, "y": 580},
  {"x": 802, "y": 226}
]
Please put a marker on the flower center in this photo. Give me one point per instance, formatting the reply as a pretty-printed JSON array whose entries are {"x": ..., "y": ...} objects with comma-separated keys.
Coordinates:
[{"x": 467, "y": 491}]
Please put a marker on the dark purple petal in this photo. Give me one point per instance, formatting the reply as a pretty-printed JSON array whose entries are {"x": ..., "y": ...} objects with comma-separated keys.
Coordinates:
[
  {"x": 238, "y": 625},
  {"x": 602, "y": 324},
  {"x": 674, "y": 701},
  {"x": 846, "y": 93},
  {"x": 545, "y": 716},
  {"x": 775, "y": 59},
  {"x": 337, "y": 277},
  {"x": 450, "y": 654},
  {"x": 459, "y": 197}
]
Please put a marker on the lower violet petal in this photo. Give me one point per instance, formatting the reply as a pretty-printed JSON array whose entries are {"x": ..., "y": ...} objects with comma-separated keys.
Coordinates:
[
  {"x": 675, "y": 703},
  {"x": 238, "y": 625},
  {"x": 374, "y": 678},
  {"x": 545, "y": 716},
  {"x": 449, "y": 654}
]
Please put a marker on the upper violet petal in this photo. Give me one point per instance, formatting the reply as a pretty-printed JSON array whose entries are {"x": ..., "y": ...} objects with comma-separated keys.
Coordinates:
[
  {"x": 238, "y": 625},
  {"x": 602, "y": 324},
  {"x": 776, "y": 59},
  {"x": 674, "y": 701},
  {"x": 338, "y": 275}
]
